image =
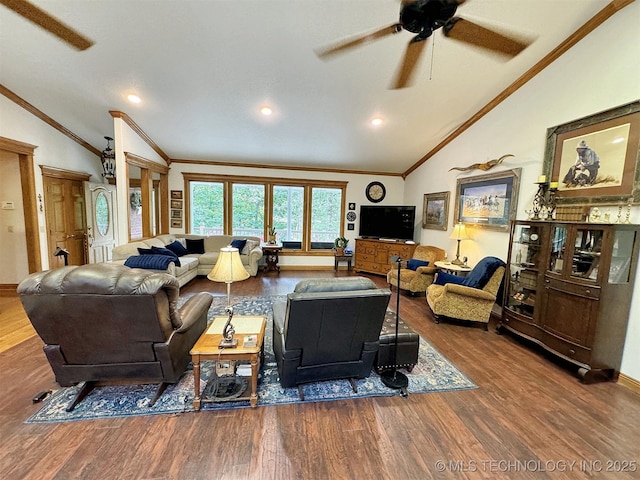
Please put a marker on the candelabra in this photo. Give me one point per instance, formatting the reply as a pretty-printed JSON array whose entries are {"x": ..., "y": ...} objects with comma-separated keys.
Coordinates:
[{"x": 545, "y": 200}]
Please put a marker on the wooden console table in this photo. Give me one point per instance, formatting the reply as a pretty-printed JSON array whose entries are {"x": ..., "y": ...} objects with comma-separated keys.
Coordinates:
[{"x": 374, "y": 256}]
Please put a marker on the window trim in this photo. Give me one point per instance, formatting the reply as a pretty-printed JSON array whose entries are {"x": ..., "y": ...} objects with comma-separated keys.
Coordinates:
[{"x": 268, "y": 183}]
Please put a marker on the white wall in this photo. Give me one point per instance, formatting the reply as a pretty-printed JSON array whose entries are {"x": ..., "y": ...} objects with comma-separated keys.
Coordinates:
[
  {"x": 601, "y": 72},
  {"x": 355, "y": 193},
  {"x": 54, "y": 150}
]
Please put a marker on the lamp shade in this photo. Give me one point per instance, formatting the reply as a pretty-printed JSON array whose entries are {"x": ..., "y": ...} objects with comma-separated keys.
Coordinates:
[
  {"x": 229, "y": 267},
  {"x": 459, "y": 232}
]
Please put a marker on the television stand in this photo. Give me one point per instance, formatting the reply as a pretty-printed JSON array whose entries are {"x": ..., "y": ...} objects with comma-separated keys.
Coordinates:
[{"x": 374, "y": 256}]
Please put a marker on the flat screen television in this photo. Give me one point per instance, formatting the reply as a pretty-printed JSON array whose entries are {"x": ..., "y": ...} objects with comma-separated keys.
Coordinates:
[{"x": 383, "y": 221}]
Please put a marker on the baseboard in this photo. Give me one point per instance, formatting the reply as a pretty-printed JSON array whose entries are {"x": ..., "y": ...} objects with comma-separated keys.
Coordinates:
[
  {"x": 8, "y": 289},
  {"x": 629, "y": 382}
]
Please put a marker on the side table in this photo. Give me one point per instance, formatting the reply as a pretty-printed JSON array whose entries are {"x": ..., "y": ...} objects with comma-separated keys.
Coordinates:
[
  {"x": 270, "y": 251},
  {"x": 206, "y": 348},
  {"x": 345, "y": 257},
  {"x": 453, "y": 269}
]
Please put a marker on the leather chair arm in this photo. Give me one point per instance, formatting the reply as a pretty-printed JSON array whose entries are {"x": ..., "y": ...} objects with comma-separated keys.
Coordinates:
[
  {"x": 452, "y": 288},
  {"x": 193, "y": 309}
]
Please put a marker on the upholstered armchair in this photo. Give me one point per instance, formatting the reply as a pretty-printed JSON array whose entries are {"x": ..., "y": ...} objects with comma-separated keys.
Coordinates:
[
  {"x": 416, "y": 280},
  {"x": 108, "y": 322},
  {"x": 468, "y": 298},
  {"x": 328, "y": 329}
]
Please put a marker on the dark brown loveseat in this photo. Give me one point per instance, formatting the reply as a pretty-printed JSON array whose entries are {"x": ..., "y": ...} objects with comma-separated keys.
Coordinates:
[{"x": 110, "y": 322}]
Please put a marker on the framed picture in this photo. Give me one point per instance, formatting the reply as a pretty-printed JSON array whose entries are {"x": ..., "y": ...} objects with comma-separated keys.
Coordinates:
[
  {"x": 352, "y": 206},
  {"x": 176, "y": 213},
  {"x": 176, "y": 223},
  {"x": 176, "y": 204},
  {"x": 435, "y": 212},
  {"x": 595, "y": 159},
  {"x": 351, "y": 226},
  {"x": 176, "y": 194},
  {"x": 488, "y": 201}
]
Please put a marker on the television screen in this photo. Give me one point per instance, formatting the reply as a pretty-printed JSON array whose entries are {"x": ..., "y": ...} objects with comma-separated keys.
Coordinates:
[{"x": 381, "y": 221}]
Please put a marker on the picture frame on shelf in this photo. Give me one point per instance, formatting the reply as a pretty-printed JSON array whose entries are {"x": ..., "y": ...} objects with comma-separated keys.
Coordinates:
[
  {"x": 176, "y": 213},
  {"x": 176, "y": 194},
  {"x": 488, "y": 201},
  {"x": 435, "y": 211},
  {"x": 176, "y": 204},
  {"x": 595, "y": 159}
]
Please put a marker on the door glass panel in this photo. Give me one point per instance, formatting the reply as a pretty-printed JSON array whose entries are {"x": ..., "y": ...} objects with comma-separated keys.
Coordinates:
[
  {"x": 102, "y": 214},
  {"x": 586, "y": 253},
  {"x": 620, "y": 268},
  {"x": 524, "y": 269},
  {"x": 558, "y": 240}
]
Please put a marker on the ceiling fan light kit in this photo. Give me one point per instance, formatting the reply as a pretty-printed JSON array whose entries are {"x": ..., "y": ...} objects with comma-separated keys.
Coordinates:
[{"x": 423, "y": 17}]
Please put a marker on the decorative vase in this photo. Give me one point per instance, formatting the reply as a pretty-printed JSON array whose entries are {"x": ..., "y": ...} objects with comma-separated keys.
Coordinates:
[
  {"x": 272, "y": 239},
  {"x": 339, "y": 251}
]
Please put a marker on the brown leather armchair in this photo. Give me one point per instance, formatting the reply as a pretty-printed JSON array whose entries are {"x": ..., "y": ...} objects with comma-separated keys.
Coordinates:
[{"x": 110, "y": 322}]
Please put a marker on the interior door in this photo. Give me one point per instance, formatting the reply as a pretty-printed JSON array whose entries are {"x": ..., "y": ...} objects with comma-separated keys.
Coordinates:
[
  {"x": 101, "y": 221},
  {"x": 66, "y": 225}
]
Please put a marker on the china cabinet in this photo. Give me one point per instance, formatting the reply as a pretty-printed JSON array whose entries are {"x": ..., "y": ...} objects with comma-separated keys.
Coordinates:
[{"x": 569, "y": 288}]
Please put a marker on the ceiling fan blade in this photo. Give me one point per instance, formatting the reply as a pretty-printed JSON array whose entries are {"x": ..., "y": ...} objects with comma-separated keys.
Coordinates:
[
  {"x": 48, "y": 22},
  {"x": 469, "y": 32},
  {"x": 357, "y": 41},
  {"x": 409, "y": 61}
]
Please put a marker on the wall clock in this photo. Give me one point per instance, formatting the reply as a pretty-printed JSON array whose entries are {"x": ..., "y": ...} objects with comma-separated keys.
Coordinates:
[
  {"x": 375, "y": 192},
  {"x": 351, "y": 216}
]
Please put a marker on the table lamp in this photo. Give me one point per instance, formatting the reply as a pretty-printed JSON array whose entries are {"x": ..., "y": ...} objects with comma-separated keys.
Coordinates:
[
  {"x": 459, "y": 233},
  {"x": 228, "y": 269}
]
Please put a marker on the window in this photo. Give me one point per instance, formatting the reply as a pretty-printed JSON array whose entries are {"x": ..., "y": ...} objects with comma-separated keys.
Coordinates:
[
  {"x": 248, "y": 210},
  {"x": 288, "y": 215},
  {"x": 326, "y": 212},
  {"x": 306, "y": 214},
  {"x": 207, "y": 208}
]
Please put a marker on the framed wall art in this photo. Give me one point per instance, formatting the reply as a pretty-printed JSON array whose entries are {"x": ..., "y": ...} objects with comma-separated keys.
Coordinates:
[
  {"x": 176, "y": 194},
  {"x": 176, "y": 204},
  {"x": 176, "y": 223},
  {"x": 435, "y": 212},
  {"x": 488, "y": 201},
  {"x": 176, "y": 213},
  {"x": 595, "y": 159}
]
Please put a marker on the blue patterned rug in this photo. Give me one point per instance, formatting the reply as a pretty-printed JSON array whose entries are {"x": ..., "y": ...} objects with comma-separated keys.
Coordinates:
[{"x": 433, "y": 373}]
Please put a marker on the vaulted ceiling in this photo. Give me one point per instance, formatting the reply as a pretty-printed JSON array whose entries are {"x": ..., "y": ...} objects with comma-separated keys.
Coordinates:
[{"x": 203, "y": 70}]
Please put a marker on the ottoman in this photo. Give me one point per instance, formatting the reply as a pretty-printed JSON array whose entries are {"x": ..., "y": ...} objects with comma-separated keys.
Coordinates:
[{"x": 408, "y": 345}]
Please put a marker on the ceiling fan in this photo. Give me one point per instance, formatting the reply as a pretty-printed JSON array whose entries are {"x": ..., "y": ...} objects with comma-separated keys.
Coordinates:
[
  {"x": 423, "y": 17},
  {"x": 47, "y": 21}
]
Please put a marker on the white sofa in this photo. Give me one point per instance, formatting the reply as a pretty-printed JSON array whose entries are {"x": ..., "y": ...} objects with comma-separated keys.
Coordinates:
[{"x": 193, "y": 264}]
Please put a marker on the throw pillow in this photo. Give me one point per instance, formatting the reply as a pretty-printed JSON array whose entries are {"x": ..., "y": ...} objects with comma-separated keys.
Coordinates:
[
  {"x": 151, "y": 262},
  {"x": 414, "y": 263},
  {"x": 195, "y": 245},
  {"x": 167, "y": 252},
  {"x": 145, "y": 251},
  {"x": 239, "y": 243},
  {"x": 177, "y": 248},
  {"x": 250, "y": 245}
]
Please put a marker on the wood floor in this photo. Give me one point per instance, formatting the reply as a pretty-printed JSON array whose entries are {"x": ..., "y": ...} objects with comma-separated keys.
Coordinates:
[{"x": 529, "y": 418}]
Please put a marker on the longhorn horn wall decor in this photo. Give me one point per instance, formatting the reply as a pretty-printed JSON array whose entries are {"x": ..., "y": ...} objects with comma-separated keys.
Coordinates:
[{"x": 483, "y": 166}]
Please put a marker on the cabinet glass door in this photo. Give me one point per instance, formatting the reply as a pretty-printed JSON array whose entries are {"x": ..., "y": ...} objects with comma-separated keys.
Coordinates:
[
  {"x": 586, "y": 253},
  {"x": 559, "y": 234},
  {"x": 524, "y": 268},
  {"x": 621, "y": 252}
]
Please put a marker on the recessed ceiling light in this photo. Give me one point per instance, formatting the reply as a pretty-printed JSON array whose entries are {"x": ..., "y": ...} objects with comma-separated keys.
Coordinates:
[
  {"x": 376, "y": 121},
  {"x": 266, "y": 110},
  {"x": 133, "y": 98}
]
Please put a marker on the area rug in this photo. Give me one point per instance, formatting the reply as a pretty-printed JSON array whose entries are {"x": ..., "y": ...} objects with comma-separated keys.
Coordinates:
[{"x": 433, "y": 373}]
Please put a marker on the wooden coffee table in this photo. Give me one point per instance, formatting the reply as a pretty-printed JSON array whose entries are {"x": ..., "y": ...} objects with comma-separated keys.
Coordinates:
[{"x": 206, "y": 348}]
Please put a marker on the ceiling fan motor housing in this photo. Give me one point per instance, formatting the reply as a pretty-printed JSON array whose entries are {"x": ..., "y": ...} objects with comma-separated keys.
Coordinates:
[{"x": 424, "y": 16}]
